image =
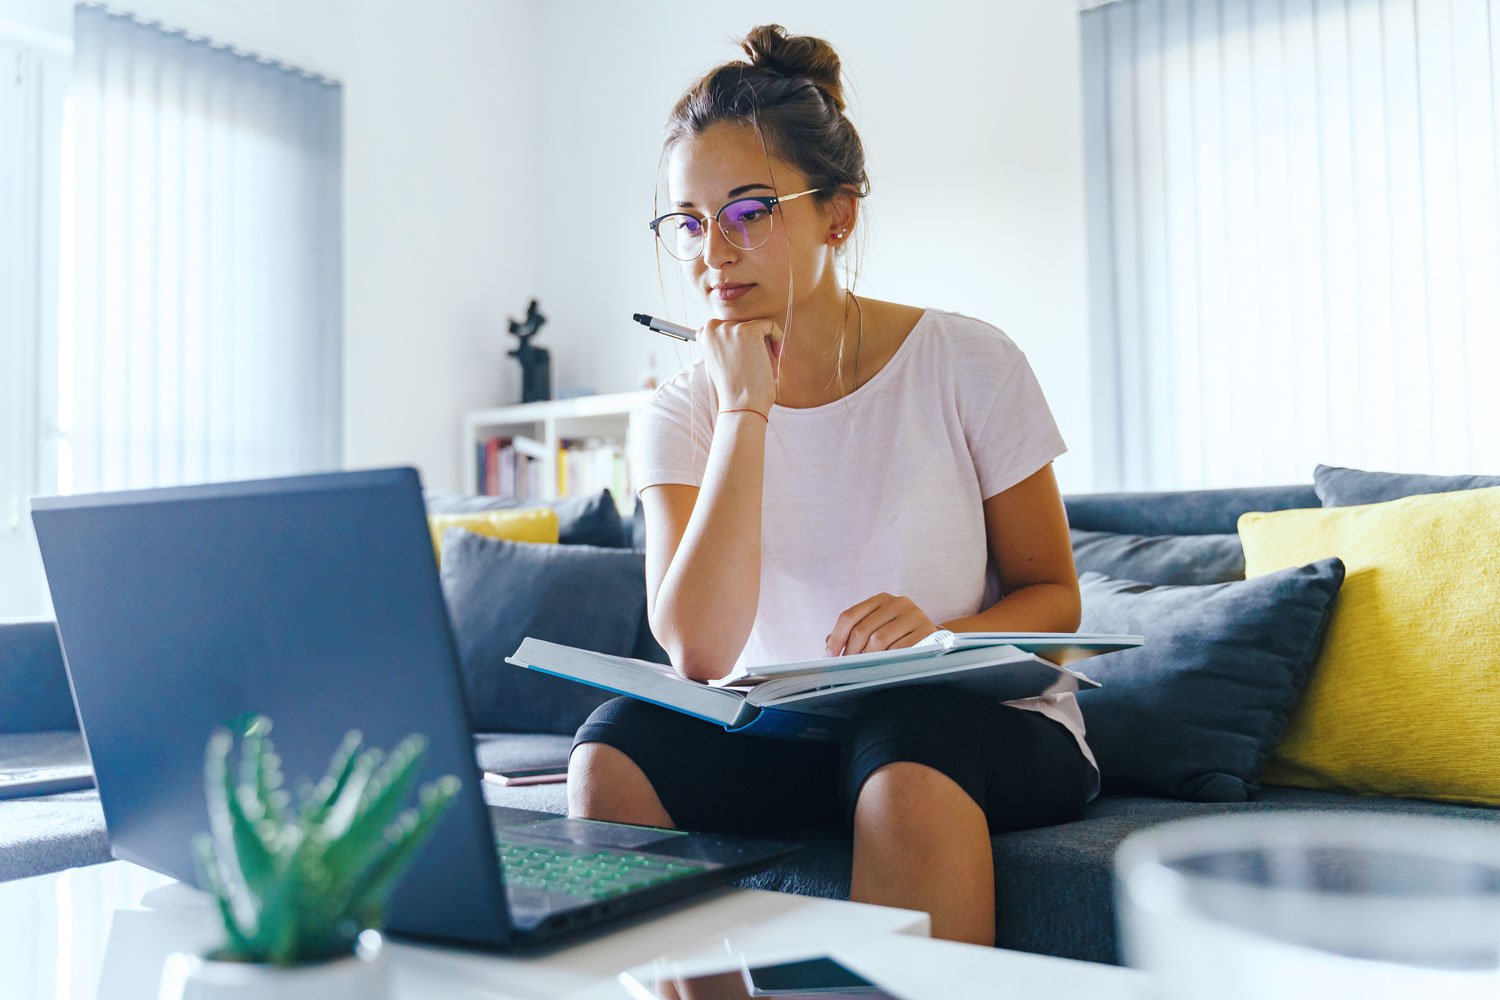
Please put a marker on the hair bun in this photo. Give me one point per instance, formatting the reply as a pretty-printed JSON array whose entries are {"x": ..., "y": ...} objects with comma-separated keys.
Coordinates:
[{"x": 770, "y": 47}]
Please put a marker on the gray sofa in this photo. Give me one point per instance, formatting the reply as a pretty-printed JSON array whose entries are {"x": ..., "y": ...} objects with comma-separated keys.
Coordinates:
[{"x": 1054, "y": 888}]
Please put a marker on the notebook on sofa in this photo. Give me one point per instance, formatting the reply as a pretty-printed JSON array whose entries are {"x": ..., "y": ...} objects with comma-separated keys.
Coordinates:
[{"x": 811, "y": 699}]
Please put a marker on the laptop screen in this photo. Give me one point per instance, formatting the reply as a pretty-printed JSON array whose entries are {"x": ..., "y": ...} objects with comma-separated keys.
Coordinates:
[{"x": 313, "y": 600}]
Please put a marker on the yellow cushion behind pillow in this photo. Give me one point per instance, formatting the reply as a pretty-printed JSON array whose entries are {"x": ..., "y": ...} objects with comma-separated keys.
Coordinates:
[
  {"x": 527, "y": 524},
  {"x": 1405, "y": 698}
]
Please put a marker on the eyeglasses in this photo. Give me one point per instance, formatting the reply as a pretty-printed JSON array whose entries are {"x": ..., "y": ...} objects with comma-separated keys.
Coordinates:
[{"x": 745, "y": 223}]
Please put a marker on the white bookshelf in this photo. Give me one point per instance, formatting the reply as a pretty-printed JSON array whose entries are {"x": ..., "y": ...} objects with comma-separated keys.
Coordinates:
[{"x": 604, "y": 416}]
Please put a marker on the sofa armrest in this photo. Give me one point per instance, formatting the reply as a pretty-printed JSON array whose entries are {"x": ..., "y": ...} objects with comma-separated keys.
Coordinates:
[{"x": 34, "y": 692}]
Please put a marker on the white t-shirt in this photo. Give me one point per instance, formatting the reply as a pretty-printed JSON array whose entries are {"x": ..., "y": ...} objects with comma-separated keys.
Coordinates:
[{"x": 880, "y": 491}]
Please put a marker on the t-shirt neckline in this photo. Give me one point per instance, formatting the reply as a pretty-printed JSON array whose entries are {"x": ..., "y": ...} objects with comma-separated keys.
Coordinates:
[{"x": 874, "y": 380}]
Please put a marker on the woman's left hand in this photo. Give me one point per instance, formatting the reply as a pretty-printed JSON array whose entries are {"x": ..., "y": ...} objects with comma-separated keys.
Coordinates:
[{"x": 882, "y": 622}]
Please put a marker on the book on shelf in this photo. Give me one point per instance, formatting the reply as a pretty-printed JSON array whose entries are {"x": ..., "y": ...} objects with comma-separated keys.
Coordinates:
[
  {"x": 812, "y": 699},
  {"x": 514, "y": 466},
  {"x": 587, "y": 465},
  {"x": 511, "y": 466}
]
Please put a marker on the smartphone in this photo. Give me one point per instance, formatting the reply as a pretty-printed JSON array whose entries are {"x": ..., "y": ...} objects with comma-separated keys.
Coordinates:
[
  {"x": 812, "y": 977},
  {"x": 546, "y": 774},
  {"x": 809, "y": 979}
]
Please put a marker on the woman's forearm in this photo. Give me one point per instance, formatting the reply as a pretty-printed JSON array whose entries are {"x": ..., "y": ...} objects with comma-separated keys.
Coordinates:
[
  {"x": 1039, "y": 607},
  {"x": 706, "y": 603}
]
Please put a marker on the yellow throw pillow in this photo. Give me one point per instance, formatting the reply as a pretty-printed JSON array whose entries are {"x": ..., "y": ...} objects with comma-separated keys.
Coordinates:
[
  {"x": 527, "y": 524},
  {"x": 1405, "y": 697}
]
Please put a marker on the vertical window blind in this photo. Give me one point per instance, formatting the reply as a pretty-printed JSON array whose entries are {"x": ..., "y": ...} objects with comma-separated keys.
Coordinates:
[
  {"x": 1294, "y": 214},
  {"x": 33, "y": 85},
  {"x": 202, "y": 338}
]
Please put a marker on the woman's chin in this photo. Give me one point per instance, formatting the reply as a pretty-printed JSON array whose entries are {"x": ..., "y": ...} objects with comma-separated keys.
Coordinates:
[{"x": 738, "y": 311}]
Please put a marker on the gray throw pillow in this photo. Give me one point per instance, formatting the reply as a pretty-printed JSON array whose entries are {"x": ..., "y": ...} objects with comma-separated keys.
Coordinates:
[
  {"x": 1195, "y": 712},
  {"x": 34, "y": 692},
  {"x": 585, "y": 520},
  {"x": 637, "y": 526},
  {"x": 499, "y": 592},
  {"x": 1351, "y": 487},
  {"x": 1179, "y": 559}
]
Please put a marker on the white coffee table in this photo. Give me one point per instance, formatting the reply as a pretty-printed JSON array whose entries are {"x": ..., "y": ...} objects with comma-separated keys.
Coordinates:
[
  {"x": 103, "y": 931},
  {"x": 914, "y": 968}
]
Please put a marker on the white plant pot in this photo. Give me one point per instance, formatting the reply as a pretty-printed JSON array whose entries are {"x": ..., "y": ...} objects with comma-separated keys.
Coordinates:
[{"x": 361, "y": 976}]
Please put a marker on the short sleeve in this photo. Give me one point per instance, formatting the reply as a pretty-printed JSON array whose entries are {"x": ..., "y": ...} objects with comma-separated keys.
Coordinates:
[
  {"x": 1019, "y": 436},
  {"x": 670, "y": 435}
]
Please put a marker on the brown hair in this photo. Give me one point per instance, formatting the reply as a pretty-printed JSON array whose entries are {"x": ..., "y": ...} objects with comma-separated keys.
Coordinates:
[{"x": 790, "y": 92}]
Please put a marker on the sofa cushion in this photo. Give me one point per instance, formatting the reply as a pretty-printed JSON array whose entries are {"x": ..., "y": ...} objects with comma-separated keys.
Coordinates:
[
  {"x": 526, "y": 524},
  {"x": 504, "y": 751},
  {"x": 1405, "y": 699},
  {"x": 1351, "y": 487},
  {"x": 586, "y": 520},
  {"x": 34, "y": 692},
  {"x": 1175, "y": 559},
  {"x": 501, "y": 751},
  {"x": 1180, "y": 512},
  {"x": 500, "y": 592},
  {"x": 1196, "y": 711},
  {"x": 47, "y": 833},
  {"x": 1054, "y": 886}
]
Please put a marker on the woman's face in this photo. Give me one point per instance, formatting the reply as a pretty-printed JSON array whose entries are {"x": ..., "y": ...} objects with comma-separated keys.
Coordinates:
[{"x": 727, "y": 162}]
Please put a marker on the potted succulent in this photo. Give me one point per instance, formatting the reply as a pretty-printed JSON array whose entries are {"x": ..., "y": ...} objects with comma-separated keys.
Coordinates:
[{"x": 301, "y": 889}]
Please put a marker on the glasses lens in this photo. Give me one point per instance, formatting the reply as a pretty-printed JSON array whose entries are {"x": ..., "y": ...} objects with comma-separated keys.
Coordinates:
[
  {"x": 746, "y": 224},
  {"x": 681, "y": 235}
]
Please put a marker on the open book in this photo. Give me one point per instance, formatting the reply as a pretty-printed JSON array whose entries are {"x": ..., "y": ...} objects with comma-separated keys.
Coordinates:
[{"x": 810, "y": 699}]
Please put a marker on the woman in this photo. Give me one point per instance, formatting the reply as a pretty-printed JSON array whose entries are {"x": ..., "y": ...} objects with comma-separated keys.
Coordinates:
[{"x": 835, "y": 476}]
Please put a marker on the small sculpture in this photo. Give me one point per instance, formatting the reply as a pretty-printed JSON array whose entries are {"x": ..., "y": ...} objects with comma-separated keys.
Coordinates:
[{"x": 536, "y": 362}]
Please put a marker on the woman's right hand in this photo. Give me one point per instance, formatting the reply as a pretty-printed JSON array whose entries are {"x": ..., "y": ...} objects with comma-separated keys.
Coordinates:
[{"x": 743, "y": 358}]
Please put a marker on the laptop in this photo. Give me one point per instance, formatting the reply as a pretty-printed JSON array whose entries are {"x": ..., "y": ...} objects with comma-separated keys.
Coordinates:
[{"x": 315, "y": 601}]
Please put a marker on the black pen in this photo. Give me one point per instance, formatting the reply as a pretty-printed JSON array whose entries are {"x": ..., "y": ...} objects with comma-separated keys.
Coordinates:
[{"x": 670, "y": 329}]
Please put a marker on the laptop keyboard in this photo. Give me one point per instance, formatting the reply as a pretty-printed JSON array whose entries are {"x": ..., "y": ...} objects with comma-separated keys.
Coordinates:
[{"x": 591, "y": 875}]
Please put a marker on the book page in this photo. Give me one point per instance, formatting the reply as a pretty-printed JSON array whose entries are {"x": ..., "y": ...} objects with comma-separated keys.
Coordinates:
[
  {"x": 1061, "y": 648},
  {"x": 1022, "y": 676},
  {"x": 935, "y": 668}
]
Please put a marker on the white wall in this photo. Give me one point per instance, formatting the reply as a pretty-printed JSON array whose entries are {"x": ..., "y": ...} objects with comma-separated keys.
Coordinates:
[
  {"x": 971, "y": 119},
  {"x": 465, "y": 120}
]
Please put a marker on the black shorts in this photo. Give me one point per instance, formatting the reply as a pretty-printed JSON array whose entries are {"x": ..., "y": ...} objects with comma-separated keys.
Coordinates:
[{"x": 1022, "y": 768}]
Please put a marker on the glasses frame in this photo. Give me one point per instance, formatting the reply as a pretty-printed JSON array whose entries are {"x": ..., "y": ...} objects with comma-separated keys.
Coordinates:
[{"x": 769, "y": 201}]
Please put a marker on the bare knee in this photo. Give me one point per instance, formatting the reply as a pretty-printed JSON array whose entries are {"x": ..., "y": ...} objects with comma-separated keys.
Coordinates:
[
  {"x": 922, "y": 843},
  {"x": 913, "y": 803},
  {"x": 604, "y": 783}
]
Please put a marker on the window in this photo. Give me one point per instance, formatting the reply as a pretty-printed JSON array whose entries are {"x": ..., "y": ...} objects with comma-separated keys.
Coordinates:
[
  {"x": 204, "y": 340},
  {"x": 33, "y": 80},
  {"x": 1294, "y": 214},
  {"x": 171, "y": 294}
]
